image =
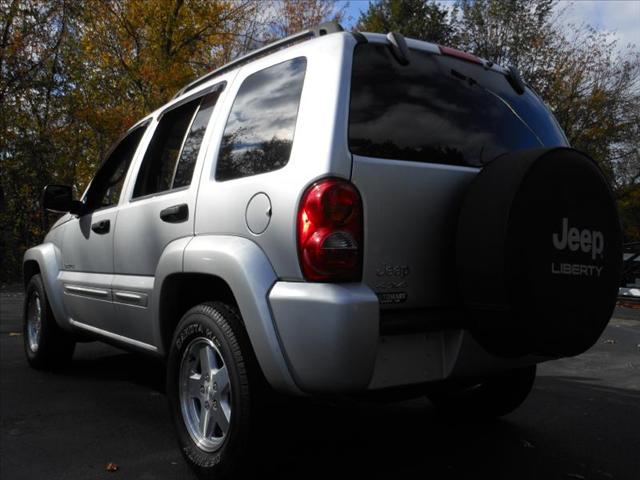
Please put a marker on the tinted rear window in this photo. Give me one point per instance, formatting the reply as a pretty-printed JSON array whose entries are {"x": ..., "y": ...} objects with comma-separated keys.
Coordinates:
[{"x": 440, "y": 109}]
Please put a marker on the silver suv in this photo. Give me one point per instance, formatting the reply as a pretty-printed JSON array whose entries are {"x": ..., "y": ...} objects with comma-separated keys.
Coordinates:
[{"x": 334, "y": 214}]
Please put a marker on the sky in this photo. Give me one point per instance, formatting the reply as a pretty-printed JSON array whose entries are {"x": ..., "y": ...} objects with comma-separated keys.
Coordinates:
[{"x": 621, "y": 17}]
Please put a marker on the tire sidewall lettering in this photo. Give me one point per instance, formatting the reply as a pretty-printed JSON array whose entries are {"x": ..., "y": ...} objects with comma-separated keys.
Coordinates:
[{"x": 194, "y": 330}]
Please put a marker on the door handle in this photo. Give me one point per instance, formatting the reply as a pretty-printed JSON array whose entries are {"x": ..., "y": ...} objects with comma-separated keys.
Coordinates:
[
  {"x": 101, "y": 227},
  {"x": 175, "y": 214}
]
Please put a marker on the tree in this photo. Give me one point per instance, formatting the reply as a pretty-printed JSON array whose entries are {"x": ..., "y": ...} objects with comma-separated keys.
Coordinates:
[
  {"x": 421, "y": 19},
  {"x": 33, "y": 123},
  {"x": 136, "y": 55},
  {"x": 75, "y": 75},
  {"x": 507, "y": 32},
  {"x": 291, "y": 16},
  {"x": 592, "y": 86}
]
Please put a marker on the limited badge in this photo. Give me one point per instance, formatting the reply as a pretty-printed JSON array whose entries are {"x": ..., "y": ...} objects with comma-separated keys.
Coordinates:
[{"x": 392, "y": 297}]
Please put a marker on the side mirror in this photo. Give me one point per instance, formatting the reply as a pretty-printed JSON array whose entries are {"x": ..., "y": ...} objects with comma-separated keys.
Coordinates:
[{"x": 59, "y": 198}]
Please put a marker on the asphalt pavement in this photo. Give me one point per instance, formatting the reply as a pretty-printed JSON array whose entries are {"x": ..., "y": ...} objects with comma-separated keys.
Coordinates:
[{"x": 582, "y": 421}]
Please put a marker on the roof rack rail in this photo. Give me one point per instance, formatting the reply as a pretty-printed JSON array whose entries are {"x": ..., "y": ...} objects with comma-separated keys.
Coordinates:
[{"x": 317, "y": 31}]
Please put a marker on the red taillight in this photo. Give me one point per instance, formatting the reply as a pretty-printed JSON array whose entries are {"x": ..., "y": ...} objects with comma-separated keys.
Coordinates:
[{"x": 330, "y": 232}]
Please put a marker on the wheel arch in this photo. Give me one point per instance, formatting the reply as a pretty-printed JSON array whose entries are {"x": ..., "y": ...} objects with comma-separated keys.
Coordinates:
[
  {"x": 182, "y": 291},
  {"x": 44, "y": 259},
  {"x": 227, "y": 268}
]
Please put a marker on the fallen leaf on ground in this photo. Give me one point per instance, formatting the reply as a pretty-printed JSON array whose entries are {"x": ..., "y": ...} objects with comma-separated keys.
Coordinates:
[{"x": 112, "y": 467}]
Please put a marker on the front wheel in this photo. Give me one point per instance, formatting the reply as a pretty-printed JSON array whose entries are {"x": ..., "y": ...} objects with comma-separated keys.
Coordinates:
[
  {"x": 212, "y": 388},
  {"x": 46, "y": 345},
  {"x": 493, "y": 396}
]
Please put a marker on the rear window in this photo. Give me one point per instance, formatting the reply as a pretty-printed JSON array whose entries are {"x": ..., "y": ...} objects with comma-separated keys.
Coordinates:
[{"x": 440, "y": 109}]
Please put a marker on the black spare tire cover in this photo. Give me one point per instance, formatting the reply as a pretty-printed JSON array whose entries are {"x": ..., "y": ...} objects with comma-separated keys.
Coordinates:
[{"x": 539, "y": 253}]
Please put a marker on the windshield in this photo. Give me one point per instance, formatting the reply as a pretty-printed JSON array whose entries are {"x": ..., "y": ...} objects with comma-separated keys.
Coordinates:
[{"x": 440, "y": 109}]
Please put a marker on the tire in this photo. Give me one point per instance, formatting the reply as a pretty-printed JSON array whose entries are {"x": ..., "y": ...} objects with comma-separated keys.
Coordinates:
[
  {"x": 492, "y": 397},
  {"x": 527, "y": 289},
  {"x": 46, "y": 345},
  {"x": 213, "y": 334}
]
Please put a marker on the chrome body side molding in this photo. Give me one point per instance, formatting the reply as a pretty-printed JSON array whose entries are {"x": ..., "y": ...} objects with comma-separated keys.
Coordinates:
[{"x": 113, "y": 336}]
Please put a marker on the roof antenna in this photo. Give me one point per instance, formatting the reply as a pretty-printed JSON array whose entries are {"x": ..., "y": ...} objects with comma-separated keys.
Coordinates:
[{"x": 399, "y": 47}]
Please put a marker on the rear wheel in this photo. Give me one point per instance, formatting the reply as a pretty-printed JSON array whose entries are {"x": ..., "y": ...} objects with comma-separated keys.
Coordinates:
[
  {"x": 46, "y": 345},
  {"x": 490, "y": 397},
  {"x": 212, "y": 387}
]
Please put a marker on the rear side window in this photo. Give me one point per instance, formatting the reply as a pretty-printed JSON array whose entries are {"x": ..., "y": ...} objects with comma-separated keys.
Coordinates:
[
  {"x": 259, "y": 131},
  {"x": 191, "y": 147},
  {"x": 440, "y": 109},
  {"x": 171, "y": 156}
]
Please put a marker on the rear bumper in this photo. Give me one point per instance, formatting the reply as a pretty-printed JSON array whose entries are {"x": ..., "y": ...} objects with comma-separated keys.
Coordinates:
[
  {"x": 329, "y": 334},
  {"x": 331, "y": 339}
]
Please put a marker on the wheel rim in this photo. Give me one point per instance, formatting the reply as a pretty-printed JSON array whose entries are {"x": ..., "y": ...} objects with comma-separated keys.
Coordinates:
[
  {"x": 34, "y": 322},
  {"x": 205, "y": 394}
]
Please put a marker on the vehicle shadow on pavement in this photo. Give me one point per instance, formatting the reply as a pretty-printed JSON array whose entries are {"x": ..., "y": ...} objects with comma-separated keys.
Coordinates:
[
  {"x": 570, "y": 427},
  {"x": 142, "y": 370},
  {"x": 406, "y": 440}
]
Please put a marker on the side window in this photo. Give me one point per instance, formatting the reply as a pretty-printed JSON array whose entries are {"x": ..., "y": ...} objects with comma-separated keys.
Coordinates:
[
  {"x": 107, "y": 184},
  {"x": 171, "y": 156},
  {"x": 259, "y": 131},
  {"x": 189, "y": 154},
  {"x": 161, "y": 157}
]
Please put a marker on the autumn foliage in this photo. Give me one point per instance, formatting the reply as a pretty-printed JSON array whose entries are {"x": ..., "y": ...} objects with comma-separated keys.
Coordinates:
[{"x": 75, "y": 75}]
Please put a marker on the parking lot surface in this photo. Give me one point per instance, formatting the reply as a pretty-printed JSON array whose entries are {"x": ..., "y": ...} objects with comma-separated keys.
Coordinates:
[{"x": 582, "y": 421}]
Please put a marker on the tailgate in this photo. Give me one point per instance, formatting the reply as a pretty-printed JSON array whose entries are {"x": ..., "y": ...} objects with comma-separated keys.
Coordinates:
[
  {"x": 411, "y": 212},
  {"x": 419, "y": 133}
]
